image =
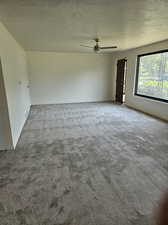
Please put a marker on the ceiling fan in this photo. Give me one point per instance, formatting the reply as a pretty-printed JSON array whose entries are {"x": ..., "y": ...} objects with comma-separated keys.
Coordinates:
[{"x": 97, "y": 48}]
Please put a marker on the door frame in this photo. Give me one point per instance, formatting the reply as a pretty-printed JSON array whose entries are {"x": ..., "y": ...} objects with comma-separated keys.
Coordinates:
[{"x": 120, "y": 82}]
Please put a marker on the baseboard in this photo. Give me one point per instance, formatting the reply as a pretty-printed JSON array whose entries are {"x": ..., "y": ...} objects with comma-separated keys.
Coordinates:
[
  {"x": 21, "y": 129},
  {"x": 103, "y": 101},
  {"x": 6, "y": 148},
  {"x": 149, "y": 114}
]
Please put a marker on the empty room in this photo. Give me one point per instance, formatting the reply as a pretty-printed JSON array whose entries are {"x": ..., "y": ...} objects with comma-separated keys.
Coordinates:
[{"x": 83, "y": 112}]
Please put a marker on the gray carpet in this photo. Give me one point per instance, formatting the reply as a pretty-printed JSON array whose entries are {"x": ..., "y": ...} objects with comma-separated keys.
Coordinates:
[{"x": 84, "y": 164}]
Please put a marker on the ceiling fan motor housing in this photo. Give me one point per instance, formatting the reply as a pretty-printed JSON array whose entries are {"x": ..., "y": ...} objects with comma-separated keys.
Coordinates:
[{"x": 96, "y": 48}]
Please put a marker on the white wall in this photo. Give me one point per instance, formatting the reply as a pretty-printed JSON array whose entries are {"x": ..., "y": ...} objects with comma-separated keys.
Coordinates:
[
  {"x": 156, "y": 108},
  {"x": 69, "y": 77},
  {"x": 14, "y": 69}
]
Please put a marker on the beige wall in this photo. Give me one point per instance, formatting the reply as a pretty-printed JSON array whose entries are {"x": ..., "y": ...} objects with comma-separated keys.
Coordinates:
[
  {"x": 14, "y": 69},
  {"x": 150, "y": 106},
  {"x": 69, "y": 77},
  {"x": 5, "y": 131}
]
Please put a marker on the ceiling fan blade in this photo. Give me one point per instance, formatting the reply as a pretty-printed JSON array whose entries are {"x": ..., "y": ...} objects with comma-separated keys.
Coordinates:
[
  {"x": 110, "y": 47},
  {"x": 86, "y": 46}
]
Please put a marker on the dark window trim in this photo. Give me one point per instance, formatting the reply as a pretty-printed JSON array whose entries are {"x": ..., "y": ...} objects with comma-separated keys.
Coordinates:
[{"x": 137, "y": 76}]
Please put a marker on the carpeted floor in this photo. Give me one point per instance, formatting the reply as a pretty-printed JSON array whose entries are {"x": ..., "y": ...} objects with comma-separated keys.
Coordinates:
[{"x": 84, "y": 164}]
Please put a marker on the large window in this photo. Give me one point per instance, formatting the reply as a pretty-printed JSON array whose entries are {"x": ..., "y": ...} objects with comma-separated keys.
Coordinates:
[{"x": 152, "y": 76}]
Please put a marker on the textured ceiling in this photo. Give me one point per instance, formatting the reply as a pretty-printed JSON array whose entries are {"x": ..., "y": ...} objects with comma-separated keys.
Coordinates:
[{"x": 62, "y": 25}]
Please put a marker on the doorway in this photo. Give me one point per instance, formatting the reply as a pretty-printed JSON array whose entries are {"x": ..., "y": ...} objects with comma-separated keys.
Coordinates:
[{"x": 120, "y": 81}]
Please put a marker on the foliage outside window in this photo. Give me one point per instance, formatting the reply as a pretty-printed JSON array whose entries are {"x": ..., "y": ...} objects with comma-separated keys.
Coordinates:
[{"x": 152, "y": 76}]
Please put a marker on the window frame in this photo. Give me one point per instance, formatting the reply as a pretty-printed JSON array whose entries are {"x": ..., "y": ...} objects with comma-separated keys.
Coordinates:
[{"x": 137, "y": 76}]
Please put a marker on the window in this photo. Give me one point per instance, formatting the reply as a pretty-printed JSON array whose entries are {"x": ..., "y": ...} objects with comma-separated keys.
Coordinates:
[{"x": 152, "y": 76}]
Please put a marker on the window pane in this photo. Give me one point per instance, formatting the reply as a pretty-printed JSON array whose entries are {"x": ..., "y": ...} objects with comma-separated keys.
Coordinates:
[{"x": 153, "y": 75}]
